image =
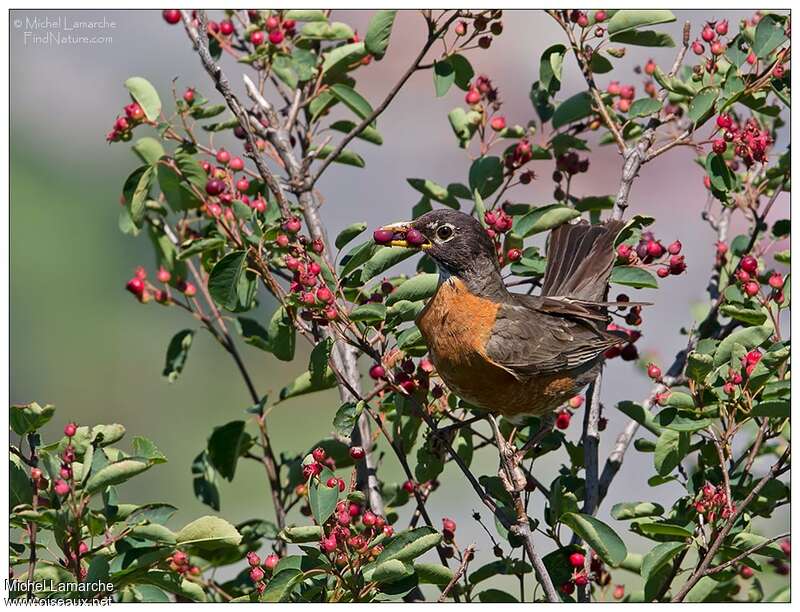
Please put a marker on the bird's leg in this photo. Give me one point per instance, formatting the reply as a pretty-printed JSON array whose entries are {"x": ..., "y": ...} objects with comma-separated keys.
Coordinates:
[
  {"x": 545, "y": 428},
  {"x": 512, "y": 477}
]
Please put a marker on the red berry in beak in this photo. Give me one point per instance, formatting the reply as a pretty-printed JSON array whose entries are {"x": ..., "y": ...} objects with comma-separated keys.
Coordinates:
[
  {"x": 382, "y": 236},
  {"x": 415, "y": 237}
]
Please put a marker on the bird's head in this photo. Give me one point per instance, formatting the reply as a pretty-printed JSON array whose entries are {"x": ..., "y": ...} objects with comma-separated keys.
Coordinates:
[{"x": 457, "y": 242}]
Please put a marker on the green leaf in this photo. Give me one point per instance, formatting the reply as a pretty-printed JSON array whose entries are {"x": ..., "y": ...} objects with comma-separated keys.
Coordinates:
[
  {"x": 280, "y": 586},
  {"x": 348, "y": 233},
  {"x": 223, "y": 282},
  {"x": 663, "y": 529},
  {"x": 305, "y": 15},
  {"x": 434, "y": 191},
  {"x": 322, "y": 499},
  {"x": 702, "y": 105},
  {"x": 631, "y": 276},
  {"x": 671, "y": 448},
  {"x": 769, "y": 36},
  {"x": 320, "y": 30},
  {"x": 391, "y": 571},
  {"x": 572, "y": 109},
  {"x": 20, "y": 488},
  {"x": 146, "y": 95},
  {"x": 351, "y": 99},
  {"x": 644, "y": 38},
  {"x": 379, "y": 31},
  {"x": 204, "y": 481},
  {"x": 302, "y": 385},
  {"x": 115, "y": 473},
  {"x": 595, "y": 203},
  {"x": 659, "y": 556},
  {"x": 177, "y": 353},
  {"x": 342, "y": 57},
  {"x": 148, "y": 149},
  {"x": 369, "y": 133},
  {"x": 496, "y": 596},
  {"x": 749, "y": 337},
  {"x": 624, "y": 20},
  {"x": 208, "y": 532},
  {"x": 599, "y": 536},
  {"x": 543, "y": 218},
  {"x": 419, "y": 287},
  {"x": 776, "y": 409},
  {"x": 146, "y": 449},
  {"x": 346, "y": 417},
  {"x": 27, "y": 418},
  {"x": 550, "y": 66},
  {"x": 136, "y": 191},
  {"x": 444, "y": 75},
  {"x": 409, "y": 545},
  {"x": 721, "y": 177},
  {"x": 318, "y": 362},
  {"x": 302, "y": 534},
  {"x": 225, "y": 446},
  {"x": 358, "y": 255},
  {"x": 750, "y": 316},
  {"x": 640, "y": 415},
  {"x": 346, "y": 157},
  {"x": 368, "y": 313},
  {"x": 383, "y": 259},
  {"x": 486, "y": 175},
  {"x": 644, "y": 107},
  {"x": 433, "y": 573},
  {"x": 624, "y": 511}
]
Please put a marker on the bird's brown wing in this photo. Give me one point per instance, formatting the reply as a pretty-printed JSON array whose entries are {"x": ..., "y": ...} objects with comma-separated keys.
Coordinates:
[{"x": 533, "y": 336}]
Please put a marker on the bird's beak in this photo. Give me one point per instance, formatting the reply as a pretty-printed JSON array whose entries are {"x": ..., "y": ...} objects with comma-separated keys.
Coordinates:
[{"x": 396, "y": 235}]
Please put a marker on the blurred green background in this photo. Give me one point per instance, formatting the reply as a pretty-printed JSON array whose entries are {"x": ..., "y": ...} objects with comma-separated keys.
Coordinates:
[{"x": 79, "y": 341}]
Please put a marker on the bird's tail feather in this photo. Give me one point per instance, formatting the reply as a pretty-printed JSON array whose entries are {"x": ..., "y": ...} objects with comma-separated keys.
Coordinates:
[{"x": 579, "y": 260}]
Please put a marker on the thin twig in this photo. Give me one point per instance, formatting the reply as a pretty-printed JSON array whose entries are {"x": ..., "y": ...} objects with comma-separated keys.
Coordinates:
[
  {"x": 469, "y": 553},
  {"x": 723, "y": 566}
]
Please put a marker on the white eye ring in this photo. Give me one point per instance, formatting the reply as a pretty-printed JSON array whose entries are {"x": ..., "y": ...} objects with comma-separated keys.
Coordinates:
[{"x": 445, "y": 232}]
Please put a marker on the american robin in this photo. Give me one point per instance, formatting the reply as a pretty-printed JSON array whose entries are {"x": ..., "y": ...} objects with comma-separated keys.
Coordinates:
[{"x": 507, "y": 353}]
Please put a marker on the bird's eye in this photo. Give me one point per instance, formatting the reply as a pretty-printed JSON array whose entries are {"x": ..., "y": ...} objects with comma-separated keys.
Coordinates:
[{"x": 445, "y": 232}]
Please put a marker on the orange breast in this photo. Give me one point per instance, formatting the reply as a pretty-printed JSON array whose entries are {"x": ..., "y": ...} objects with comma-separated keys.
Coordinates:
[{"x": 456, "y": 326}]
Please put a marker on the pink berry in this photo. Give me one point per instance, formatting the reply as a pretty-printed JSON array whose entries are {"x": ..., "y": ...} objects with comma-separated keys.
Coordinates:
[
  {"x": 377, "y": 372},
  {"x": 276, "y": 37},
  {"x": 171, "y": 16},
  {"x": 415, "y": 237},
  {"x": 698, "y": 48},
  {"x": 577, "y": 559},
  {"x": 498, "y": 124},
  {"x": 653, "y": 371},
  {"x": 599, "y": 16},
  {"x": 257, "y": 38},
  {"x": 708, "y": 34},
  {"x": 70, "y": 429},
  {"x": 752, "y": 288},
  {"x": 61, "y": 488}
]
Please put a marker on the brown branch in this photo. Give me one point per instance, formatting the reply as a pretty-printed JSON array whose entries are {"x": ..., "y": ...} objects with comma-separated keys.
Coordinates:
[
  {"x": 433, "y": 36},
  {"x": 703, "y": 567},
  {"x": 200, "y": 43},
  {"x": 469, "y": 553},
  {"x": 723, "y": 566}
]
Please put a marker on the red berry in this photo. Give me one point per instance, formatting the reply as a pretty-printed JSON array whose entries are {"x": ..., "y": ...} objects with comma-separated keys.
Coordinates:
[
  {"x": 599, "y": 16},
  {"x": 473, "y": 97},
  {"x": 708, "y": 34},
  {"x": 188, "y": 96},
  {"x": 61, "y": 487},
  {"x": 272, "y": 23},
  {"x": 698, "y": 48},
  {"x": 242, "y": 184},
  {"x": 333, "y": 483},
  {"x": 498, "y": 124},
  {"x": 171, "y": 16},
  {"x": 357, "y": 453},
  {"x": 577, "y": 559},
  {"x": 719, "y": 146},
  {"x": 271, "y": 561},
  {"x": 562, "y": 419},
  {"x": 749, "y": 264},
  {"x": 36, "y": 473},
  {"x": 70, "y": 429},
  {"x": 751, "y": 288},
  {"x": 448, "y": 525},
  {"x": 576, "y": 402},
  {"x": 215, "y": 187},
  {"x": 135, "y": 286},
  {"x": 776, "y": 280},
  {"x": 581, "y": 579},
  {"x": 252, "y": 558},
  {"x": 121, "y": 124},
  {"x": 256, "y": 574},
  {"x": 388, "y": 531},
  {"x": 319, "y": 454},
  {"x": 324, "y": 295},
  {"x": 257, "y": 38},
  {"x": 746, "y": 572},
  {"x": 717, "y": 48},
  {"x": 514, "y": 255},
  {"x": 409, "y": 486},
  {"x": 382, "y": 236},
  {"x": 415, "y": 237},
  {"x": 650, "y": 67},
  {"x": 276, "y": 37},
  {"x": 724, "y": 121},
  {"x": 675, "y": 248},
  {"x": 624, "y": 105},
  {"x": 653, "y": 371},
  {"x": 377, "y": 372},
  {"x": 567, "y": 588},
  {"x": 293, "y": 225},
  {"x": 654, "y": 249},
  {"x": 236, "y": 164},
  {"x": 226, "y": 27},
  {"x": 722, "y": 27},
  {"x": 786, "y": 547}
]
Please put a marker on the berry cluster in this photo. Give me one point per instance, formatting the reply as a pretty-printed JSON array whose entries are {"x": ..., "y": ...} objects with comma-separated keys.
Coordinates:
[
  {"x": 63, "y": 485},
  {"x": 482, "y": 91},
  {"x": 480, "y": 24},
  {"x": 179, "y": 562},
  {"x": 623, "y": 95},
  {"x": 650, "y": 251},
  {"x": 713, "y": 502},
  {"x": 712, "y": 34},
  {"x": 223, "y": 187},
  {"x": 259, "y": 571},
  {"x": 568, "y": 164},
  {"x": 781, "y": 567},
  {"x": 410, "y": 377},
  {"x": 139, "y": 286},
  {"x": 736, "y": 378},
  {"x": 580, "y": 577},
  {"x": 747, "y": 277},
  {"x": 122, "y": 131},
  {"x": 749, "y": 141},
  {"x": 275, "y": 30}
]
